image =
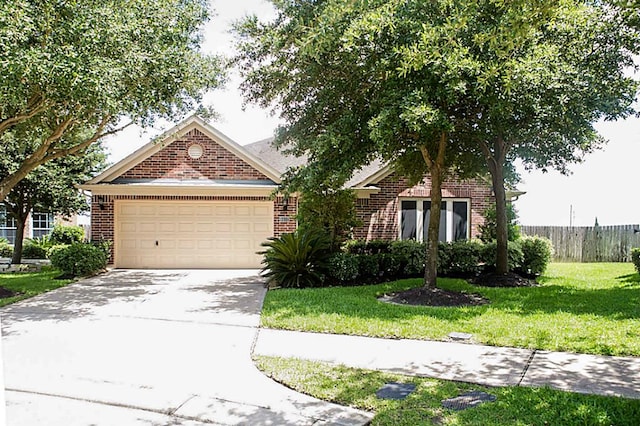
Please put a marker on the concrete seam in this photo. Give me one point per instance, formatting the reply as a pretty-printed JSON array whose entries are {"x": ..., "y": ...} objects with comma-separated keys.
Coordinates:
[
  {"x": 257, "y": 333},
  {"x": 109, "y": 404},
  {"x": 175, "y": 410},
  {"x": 526, "y": 366}
]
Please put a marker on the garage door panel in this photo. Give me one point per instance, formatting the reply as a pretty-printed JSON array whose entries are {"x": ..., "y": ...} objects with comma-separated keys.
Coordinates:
[{"x": 211, "y": 234}]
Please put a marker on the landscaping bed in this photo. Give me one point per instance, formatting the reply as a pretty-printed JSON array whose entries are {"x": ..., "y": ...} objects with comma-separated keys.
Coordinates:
[{"x": 586, "y": 308}]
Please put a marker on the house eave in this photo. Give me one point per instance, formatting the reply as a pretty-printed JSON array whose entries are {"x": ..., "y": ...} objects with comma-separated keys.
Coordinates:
[{"x": 366, "y": 192}]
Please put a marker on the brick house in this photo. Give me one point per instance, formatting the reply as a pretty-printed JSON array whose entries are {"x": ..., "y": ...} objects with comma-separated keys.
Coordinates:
[{"x": 196, "y": 199}]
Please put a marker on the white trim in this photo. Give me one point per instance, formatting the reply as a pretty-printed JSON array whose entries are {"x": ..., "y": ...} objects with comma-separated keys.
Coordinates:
[
  {"x": 173, "y": 134},
  {"x": 420, "y": 216}
]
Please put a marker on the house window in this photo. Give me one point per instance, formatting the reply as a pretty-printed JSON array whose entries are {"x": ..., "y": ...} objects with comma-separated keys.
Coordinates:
[
  {"x": 42, "y": 224},
  {"x": 454, "y": 219},
  {"x": 7, "y": 226}
]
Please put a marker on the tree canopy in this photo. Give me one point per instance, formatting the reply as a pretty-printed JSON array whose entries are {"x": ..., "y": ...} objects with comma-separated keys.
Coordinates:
[
  {"x": 439, "y": 86},
  {"x": 97, "y": 65}
]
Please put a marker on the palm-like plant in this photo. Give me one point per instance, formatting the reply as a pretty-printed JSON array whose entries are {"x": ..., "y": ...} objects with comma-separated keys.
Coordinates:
[{"x": 297, "y": 260}]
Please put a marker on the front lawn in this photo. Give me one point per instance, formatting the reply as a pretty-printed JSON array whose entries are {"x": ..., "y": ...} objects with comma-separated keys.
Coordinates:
[
  {"x": 30, "y": 284},
  {"x": 585, "y": 308},
  {"x": 513, "y": 405}
]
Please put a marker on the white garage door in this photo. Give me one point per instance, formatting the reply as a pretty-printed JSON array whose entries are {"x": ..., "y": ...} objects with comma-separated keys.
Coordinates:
[{"x": 182, "y": 234}]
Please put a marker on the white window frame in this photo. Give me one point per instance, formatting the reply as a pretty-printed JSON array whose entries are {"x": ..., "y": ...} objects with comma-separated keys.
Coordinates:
[
  {"x": 420, "y": 216},
  {"x": 7, "y": 220},
  {"x": 50, "y": 223}
]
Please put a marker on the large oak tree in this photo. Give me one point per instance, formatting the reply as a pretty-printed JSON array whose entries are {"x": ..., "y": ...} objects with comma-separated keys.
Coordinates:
[{"x": 97, "y": 65}]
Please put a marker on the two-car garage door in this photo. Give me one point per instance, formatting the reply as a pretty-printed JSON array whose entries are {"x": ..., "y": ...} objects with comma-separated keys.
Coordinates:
[{"x": 186, "y": 234}]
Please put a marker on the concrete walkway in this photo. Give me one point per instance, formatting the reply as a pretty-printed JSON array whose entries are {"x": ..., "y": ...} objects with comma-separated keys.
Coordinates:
[
  {"x": 486, "y": 365},
  {"x": 148, "y": 348}
]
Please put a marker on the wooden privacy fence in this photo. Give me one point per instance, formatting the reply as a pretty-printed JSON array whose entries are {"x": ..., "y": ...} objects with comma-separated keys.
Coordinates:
[{"x": 589, "y": 243}]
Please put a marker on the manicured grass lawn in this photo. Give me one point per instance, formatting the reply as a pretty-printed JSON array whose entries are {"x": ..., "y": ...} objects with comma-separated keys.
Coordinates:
[
  {"x": 586, "y": 308},
  {"x": 513, "y": 406},
  {"x": 30, "y": 284}
]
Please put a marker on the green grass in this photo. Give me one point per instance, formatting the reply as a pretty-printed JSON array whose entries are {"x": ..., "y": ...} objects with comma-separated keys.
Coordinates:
[
  {"x": 513, "y": 406},
  {"x": 585, "y": 308},
  {"x": 30, "y": 284}
]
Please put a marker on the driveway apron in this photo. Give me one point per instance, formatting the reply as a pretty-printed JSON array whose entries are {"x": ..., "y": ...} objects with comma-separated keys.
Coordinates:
[{"x": 149, "y": 348}]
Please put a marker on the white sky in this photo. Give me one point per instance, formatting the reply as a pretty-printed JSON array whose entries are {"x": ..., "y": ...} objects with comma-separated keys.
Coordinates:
[{"x": 606, "y": 185}]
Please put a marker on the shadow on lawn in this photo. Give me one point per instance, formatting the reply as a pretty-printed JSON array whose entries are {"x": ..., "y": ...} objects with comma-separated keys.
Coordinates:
[{"x": 629, "y": 278}]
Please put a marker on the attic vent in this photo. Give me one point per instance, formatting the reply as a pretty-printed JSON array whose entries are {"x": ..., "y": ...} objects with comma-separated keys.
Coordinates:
[{"x": 195, "y": 151}]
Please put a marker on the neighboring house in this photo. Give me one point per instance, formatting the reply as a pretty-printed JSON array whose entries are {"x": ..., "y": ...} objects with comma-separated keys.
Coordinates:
[
  {"x": 38, "y": 224},
  {"x": 196, "y": 199}
]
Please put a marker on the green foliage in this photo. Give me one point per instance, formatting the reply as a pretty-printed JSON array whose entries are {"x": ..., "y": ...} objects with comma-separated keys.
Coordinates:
[
  {"x": 71, "y": 67},
  {"x": 79, "y": 260},
  {"x": 514, "y": 250},
  {"x": 635, "y": 258},
  {"x": 51, "y": 251},
  {"x": 343, "y": 267},
  {"x": 459, "y": 258},
  {"x": 368, "y": 247},
  {"x": 6, "y": 249},
  {"x": 33, "y": 251},
  {"x": 536, "y": 255},
  {"x": 369, "y": 266},
  {"x": 31, "y": 284},
  {"x": 63, "y": 234},
  {"x": 333, "y": 211},
  {"x": 297, "y": 260},
  {"x": 412, "y": 255},
  {"x": 488, "y": 229}
]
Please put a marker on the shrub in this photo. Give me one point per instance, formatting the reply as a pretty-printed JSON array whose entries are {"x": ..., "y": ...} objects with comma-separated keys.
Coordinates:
[
  {"x": 635, "y": 258},
  {"x": 369, "y": 266},
  {"x": 33, "y": 251},
  {"x": 6, "y": 249},
  {"x": 355, "y": 246},
  {"x": 514, "y": 251},
  {"x": 296, "y": 260},
  {"x": 63, "y": 234},
  {"x": 459, "y": 258},
  {"x": 390, "y": 265},
  {"x": 79, "y": 259},
  {"x": 537, "y": 253},
  {"x": 54, "y": 248},
  {"x": 412, "y": 256},
  {"x": 378, "y": 246},
  {"x": 488, "y": 229},
  {"x": 343, "y": 267}
]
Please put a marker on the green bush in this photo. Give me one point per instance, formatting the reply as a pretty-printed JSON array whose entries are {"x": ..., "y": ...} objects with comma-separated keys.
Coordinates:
[
  {"x": 514, "y": 250},
  {"x": 390, "y": 265},
  {"x": 296, "y": 260},
  {"x": 33, "y": 251},
  {"x": 369, "y": 266},
  {"x": 459, "y": 258},
  {"x": 63, "y": 234},
  {"x": 6, "y": 249},
  {"x": 635, "y": 258},
  {"x": 343, "y": 267},
  {"x": 79, "y": 259},
  {"x": 536, "y": 255},
  {"x": 412, "y": 256},
  {"x": 488, "y": 229},
  {"x": 355, "y": 246},
  {"x": 54, "y": 248},
  {"x": 378, "y": 246}
]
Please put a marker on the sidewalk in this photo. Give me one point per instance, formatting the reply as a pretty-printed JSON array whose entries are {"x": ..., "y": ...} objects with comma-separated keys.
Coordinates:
[{"x": 485, "y": 365}]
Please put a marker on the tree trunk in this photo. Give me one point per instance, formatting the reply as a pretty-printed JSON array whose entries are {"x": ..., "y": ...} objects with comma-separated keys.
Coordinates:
[
  {"x": 433, "y": 233},
  {"x": 496, "y": 167},
  {"x": 17, "y": 246},
  {"x": 436, "y": 171}
]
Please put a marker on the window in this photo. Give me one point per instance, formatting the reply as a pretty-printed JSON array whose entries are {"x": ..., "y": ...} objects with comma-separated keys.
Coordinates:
[
  {"x": 7, "y": 226},
  {"x": 454, "y": 219},
  {"x": 42, "y": 224}
]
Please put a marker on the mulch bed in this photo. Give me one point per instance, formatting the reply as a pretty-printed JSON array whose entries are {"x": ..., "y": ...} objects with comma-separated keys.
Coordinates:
[
  {"x": 4, "y": 293},
  {"x": 435, "y": 297},
  {"x": 493, "y": 279}
]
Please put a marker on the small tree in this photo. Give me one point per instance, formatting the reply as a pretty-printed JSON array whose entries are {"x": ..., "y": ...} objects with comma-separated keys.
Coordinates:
[
  {"x": 488, "y": 229},
  {"x": 333, "y": 211},
  {"x": 50, "y": 188}
]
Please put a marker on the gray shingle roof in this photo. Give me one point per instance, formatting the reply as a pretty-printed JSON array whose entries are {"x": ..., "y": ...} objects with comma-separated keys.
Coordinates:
[{"x": 265, "y": 151}]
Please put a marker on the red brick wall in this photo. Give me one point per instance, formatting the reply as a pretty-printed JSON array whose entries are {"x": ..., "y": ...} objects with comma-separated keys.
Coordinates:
[
  {"x": 102, "y": 216},
  {"x": 173, "y": 162},
  {"x": 379, "y": 213}
]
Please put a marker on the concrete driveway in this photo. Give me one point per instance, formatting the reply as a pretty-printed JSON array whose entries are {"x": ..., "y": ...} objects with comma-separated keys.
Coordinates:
[{"x": 148, "y": 348}]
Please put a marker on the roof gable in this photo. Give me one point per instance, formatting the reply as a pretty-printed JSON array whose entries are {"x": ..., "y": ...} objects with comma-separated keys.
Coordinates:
[{"x": 155, "y": 159}]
